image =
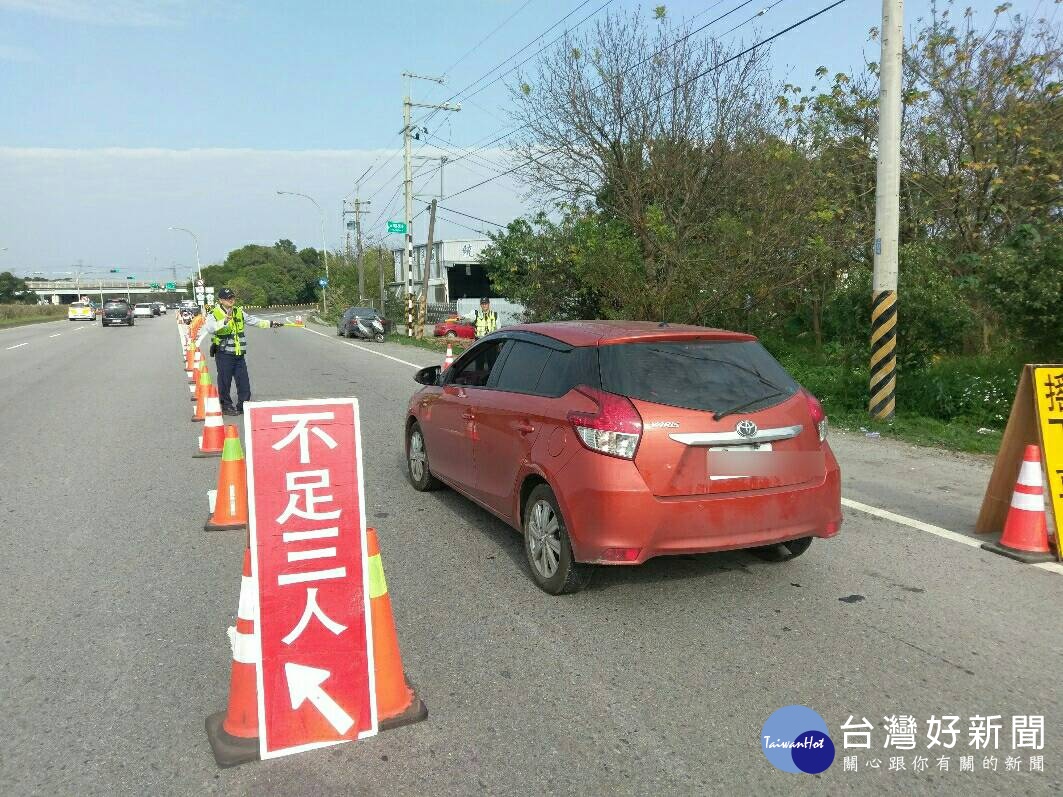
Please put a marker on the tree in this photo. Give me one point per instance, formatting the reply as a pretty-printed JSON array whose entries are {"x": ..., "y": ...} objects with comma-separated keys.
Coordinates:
[
  {"x": 13, "y": 290},
  {"x": 284, "y": 245},
  {"x": 643, "y": 124}
]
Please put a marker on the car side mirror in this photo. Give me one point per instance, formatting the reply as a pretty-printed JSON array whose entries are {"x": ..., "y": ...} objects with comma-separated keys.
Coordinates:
[{"x": 427, "y": 376}]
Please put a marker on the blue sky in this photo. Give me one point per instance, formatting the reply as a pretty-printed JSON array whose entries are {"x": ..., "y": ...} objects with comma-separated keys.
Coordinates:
[{"x": 119, "y": 118}]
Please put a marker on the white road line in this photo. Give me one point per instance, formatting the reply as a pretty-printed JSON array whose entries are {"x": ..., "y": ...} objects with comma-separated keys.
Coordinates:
[
  {"x": 1051, "y": 567},
  {"x": 17, "y": 345},
  {"x": 363, "y": 348},
  {"x": 56, "y": 335}
]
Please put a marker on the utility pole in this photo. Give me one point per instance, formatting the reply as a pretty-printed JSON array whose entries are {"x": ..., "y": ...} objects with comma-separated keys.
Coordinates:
[
  {"x": 407, "y": 146},
  {"x": 422, "y": 306},
  {"x": 887, "y": 216}
]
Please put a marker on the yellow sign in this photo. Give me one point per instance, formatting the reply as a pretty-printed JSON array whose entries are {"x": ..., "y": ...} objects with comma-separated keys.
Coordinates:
[{"x": 1048, "y": 387}]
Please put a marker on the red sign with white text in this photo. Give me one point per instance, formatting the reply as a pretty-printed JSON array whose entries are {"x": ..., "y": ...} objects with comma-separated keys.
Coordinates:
[{"x": 309, "y": 562}]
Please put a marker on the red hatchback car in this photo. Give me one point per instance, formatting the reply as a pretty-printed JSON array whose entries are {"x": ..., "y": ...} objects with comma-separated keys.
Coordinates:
[
  {"x": 612, "y": 442},
  {"x": 455, "y": 327}
]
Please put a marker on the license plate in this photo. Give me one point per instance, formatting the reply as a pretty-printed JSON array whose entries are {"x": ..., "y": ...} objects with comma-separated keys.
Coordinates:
[{"x": 750, "y": 447}]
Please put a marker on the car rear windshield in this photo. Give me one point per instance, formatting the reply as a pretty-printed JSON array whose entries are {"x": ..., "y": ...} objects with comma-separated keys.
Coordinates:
[
  {"x": 116, "y": 304},
  {"x": 698, "y": 375}
]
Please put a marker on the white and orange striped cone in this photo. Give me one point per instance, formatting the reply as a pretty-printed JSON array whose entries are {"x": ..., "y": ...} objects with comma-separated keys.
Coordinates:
[
  {"x": 1025, "y": 536},
  {"x": 233, "y": 733},
  {"x": 448, "y": 360},
  {"x": 197, "y": 362},
  {"x": 212, "y": 441}
]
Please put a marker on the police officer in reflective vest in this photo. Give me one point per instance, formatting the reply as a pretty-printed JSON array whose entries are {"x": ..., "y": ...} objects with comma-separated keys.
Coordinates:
[
  {"x": 225, "y": 325},
  {"x": 484, "y": 320}
]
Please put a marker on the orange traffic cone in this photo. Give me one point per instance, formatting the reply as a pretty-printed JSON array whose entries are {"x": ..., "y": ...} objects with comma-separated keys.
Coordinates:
[
  {"x": 212, "y": 440},
  {"x": 396, "y": 702},
  {"x": 229, "y": 509},
  {"x": 190, "y": 365},
  {"x": 449, "y": 359},
  {"x": 233, "y": 733},
  {"x": 202, "y": 388},
  {"x": 1025, "y": 536}
]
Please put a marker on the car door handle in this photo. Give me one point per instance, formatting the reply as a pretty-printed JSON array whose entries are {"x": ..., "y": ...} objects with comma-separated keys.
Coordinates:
[
  {"x": 469, "y": 416},
  {"x": 524, "y": 427}
]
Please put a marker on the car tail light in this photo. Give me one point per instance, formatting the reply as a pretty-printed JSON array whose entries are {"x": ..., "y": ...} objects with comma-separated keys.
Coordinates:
[
  {"x": 615, "y": 429},
  {"x": 819, "y": 417}
]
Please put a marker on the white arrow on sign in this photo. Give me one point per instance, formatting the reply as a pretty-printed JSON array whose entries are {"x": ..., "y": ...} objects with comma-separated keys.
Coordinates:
[{"x": 304, "y": 683}]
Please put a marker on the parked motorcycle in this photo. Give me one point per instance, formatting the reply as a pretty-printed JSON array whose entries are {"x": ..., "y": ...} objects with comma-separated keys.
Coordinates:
[{"x": 366, "y": 329}]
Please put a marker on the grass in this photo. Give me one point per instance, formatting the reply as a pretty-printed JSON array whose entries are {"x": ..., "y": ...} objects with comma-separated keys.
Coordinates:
[
  {"x": 16, "y": 315},
  {"x": 432, "y": 344},
  {"x": 955, "y": 435}
]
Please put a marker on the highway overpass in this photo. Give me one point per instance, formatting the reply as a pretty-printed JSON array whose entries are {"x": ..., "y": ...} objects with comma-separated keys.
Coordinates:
[{"x": 67, "y": 291}]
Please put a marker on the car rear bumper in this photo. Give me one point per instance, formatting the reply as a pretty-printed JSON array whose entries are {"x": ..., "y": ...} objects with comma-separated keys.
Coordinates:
[{"x": 608, "y": 506}]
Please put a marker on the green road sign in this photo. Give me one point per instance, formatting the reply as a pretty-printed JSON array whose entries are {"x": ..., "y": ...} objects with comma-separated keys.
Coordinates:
[
  {"x": 154, "y": 285},
  {"x": 115, "y": 270},
  {"x": 171, "y": 286},
  {"x": 396, "y": 226},
  {"x": 131, "y": 276}
]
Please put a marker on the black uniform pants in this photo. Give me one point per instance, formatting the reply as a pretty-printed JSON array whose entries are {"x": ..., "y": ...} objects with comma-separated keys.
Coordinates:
[{"x": 232, "y": 367}]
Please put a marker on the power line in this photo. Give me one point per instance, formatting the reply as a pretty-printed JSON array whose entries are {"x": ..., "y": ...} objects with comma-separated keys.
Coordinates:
[
  {"x": 473, "y": 147},
  {"x": 678, "y": 86},
  {"x": 511, "y": 57},
  {"x": 470, "y": 216},
  {"x": 476, "y": 46}
]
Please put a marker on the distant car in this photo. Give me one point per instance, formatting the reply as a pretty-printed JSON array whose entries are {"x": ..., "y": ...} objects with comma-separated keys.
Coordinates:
[
  {"x": 81, "y": 311},
  {"x": 144, "y": 310},
  {"x": 172, "y": 306},
  {"x": 614, "y": 442},
  {"x": 455, "y": 327},
  {"x": 160, "y": 306},
  {"x": 117, "y": 312}
]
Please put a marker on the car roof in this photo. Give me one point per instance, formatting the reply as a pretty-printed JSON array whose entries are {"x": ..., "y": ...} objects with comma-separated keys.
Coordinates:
[{"x": 606, "y": 333}]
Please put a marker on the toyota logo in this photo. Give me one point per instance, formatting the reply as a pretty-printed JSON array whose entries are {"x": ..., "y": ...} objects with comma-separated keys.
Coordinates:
[{"x": 746, "y": 428}]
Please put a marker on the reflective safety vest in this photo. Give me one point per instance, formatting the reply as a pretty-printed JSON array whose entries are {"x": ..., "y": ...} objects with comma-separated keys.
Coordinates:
[
  {"x": 485, "y": 322},
  {"x": 230, "y": 337}
]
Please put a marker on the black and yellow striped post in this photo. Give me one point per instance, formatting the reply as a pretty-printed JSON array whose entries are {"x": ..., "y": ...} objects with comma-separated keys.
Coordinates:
[{"x": 883, "y": 355}]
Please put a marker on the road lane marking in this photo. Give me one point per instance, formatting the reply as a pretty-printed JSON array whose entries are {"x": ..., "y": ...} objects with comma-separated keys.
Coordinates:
[
  {"x": 363, "y": 348},
  {"x": 17, "y": 345},
  {"x": 937, "y": 531},
  {"x": 56, "y": 335}
]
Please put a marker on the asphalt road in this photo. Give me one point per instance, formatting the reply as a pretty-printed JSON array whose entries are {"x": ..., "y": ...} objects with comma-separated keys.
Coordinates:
[{"x": 654, "y": 680}]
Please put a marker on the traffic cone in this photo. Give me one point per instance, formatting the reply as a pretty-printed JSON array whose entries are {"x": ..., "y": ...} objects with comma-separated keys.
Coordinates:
[
  {"x": 449, "y": 359},
  {"x": 231, "y": 511},
  {"x": 396, "y": 702},
  {"x": 202, "y": 388},
  {"x": 1025, "y": 536},
  {"x": 233, "y": 733},
  {"x": 190, "y": 365},
  {"x": 212, "y": 440},
  {"x": 197, "y": 363}
]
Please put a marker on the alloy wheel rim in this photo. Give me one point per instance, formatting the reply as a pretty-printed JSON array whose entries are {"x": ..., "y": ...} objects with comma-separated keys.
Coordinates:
[
  {"x": 417, "y": 456},
  {"x": 544, "y": 538}
]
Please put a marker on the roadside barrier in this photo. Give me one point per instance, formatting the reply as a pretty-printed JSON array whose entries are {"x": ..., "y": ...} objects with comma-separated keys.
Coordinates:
[
  {"x": 448, "y": 360},
  {"x": 233, "y": 733},
  {"x": 228, "y": 503},
  {"x": 1025, "y": 536},
  {"x": 212, "y": 440},
  {"x": 397, "y": 703},
  {"x": 190, "y": 362},
  {"x": 202, "y": 387}
]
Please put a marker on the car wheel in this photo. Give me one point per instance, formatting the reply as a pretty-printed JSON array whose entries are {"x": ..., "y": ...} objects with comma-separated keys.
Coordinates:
[
  {"x": 784, "y": 551},
  {"x": 417, "y": 461},
  {"x": 547, "y": 547},
  {"x": 379, "y": 337},
  {"x": 452, "y": 335}
]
